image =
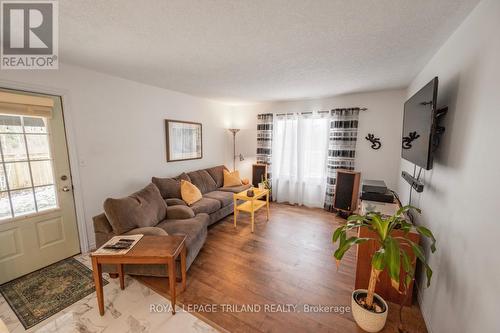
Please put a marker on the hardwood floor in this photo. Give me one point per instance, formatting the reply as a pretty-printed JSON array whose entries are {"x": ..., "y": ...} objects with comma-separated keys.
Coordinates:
[{"x": 288, "y": 260}]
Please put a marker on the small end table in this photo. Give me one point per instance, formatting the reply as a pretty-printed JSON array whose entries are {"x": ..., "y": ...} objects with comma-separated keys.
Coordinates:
[
  {"x": 251, "y": 204},
  {"x": 149, "y": 250}
]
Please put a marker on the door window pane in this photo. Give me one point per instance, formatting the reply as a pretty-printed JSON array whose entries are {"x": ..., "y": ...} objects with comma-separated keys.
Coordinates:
[
  {"x": 45, "y": 197},
  {"x": 38, "y": 146},
  {"x": 18, "y": 175},
  {"x": 23, "y": 202},
  {"x": 4, "y": 206},
  {"x": 3, "y": 180},
  {"x": 13, "y": 147},
  {"x": 27, "y": 183},
  {"x": 42, "y": 173},
  {"x": 10, "y": 124},
  {"x": 35, "y": 125}
]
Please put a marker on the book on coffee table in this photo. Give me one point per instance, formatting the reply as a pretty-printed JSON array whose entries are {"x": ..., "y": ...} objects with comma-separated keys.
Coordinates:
[{"x": 118, "y": 245}]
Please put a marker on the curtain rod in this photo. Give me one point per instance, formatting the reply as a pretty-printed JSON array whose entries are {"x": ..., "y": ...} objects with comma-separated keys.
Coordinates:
[
  {"x": 360, "y": 109},
  {"x": 311, "y": 112}
]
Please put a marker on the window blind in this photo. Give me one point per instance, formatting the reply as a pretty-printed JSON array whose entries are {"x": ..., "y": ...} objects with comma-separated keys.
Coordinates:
[{"x": 26, "y": 105}]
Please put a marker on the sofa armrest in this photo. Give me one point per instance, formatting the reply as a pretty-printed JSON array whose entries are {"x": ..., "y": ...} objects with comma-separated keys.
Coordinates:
[
  {"x": 101, "y": 224},
  {"x": 147, "y": 231},
  {"x": 175, "y": 202},
  {"x": 179, "y": 212},
  {"x": 102, "y": 230}
]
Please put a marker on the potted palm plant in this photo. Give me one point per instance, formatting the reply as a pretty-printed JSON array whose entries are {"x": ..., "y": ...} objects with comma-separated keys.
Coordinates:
[{"x": 369, "y": 309}]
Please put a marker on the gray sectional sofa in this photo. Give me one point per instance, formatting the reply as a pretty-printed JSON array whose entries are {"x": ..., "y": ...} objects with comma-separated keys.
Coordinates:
[{"x": 158, "y": 209}]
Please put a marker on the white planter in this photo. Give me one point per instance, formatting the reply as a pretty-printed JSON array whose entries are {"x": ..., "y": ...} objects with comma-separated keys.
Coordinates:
[{"x": 368, "y": 320}]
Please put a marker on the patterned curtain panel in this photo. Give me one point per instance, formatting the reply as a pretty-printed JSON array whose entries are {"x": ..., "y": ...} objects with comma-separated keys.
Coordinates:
[
  {"x": 265, "y": 141},
  {"x": 341, "y": 147}
]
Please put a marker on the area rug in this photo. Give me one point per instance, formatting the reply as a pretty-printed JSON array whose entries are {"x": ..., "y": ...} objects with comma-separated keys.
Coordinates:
[{"x": 39, "y": 295}]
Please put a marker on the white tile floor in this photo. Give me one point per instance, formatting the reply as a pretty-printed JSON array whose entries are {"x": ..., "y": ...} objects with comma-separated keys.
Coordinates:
[{"x": 125, "y": 311}]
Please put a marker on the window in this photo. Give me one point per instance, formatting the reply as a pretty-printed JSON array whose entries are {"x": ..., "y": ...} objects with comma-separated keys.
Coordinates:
[
  {"x": 26, "y": 172},
  {"x": 300, "y": 146}
]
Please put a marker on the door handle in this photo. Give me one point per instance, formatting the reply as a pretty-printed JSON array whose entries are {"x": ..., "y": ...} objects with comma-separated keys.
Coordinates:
[{"x": 66, "y": 189}]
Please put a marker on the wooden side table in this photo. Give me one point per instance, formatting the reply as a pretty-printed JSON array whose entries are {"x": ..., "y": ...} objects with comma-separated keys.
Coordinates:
[
  {"x": 149, "y": 250},
  {"x": 251, "y": 204}
]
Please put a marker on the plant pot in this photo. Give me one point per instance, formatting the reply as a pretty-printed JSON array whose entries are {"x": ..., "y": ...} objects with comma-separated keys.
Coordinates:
[{"x": 368, "y": 320}]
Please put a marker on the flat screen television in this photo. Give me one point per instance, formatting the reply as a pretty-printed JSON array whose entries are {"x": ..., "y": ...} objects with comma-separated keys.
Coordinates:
[{"x": 419, "y": 126}]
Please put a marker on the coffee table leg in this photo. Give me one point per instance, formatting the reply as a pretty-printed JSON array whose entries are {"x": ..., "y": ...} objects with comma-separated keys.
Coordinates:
[
  {"x": 183, "y": 267},
  {"x": 171, "y": 280},
  {"x": 122, "y": 277},
  {"x": 97, "y": 273},
  {"x": 252, "y": 218}
]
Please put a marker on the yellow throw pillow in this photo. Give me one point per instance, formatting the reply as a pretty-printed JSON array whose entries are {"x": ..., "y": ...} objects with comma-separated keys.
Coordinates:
[
  {"x": 190, "y": 193},
  {"x": 232, "y": 178}
]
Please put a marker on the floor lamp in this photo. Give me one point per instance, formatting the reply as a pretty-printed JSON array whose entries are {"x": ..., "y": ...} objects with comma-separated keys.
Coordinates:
[{"x": 234, "y": 131}]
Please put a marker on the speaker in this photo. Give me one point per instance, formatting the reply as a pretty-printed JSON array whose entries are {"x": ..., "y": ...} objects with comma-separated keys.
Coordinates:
[
  {"x": 259, "y": 173},
  {"x": 346, "y": 190}
]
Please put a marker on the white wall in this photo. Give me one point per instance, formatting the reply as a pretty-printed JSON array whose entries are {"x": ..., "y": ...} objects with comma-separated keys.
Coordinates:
[
  {"x": 384, "y": 118},
  {"x": 460, "y": 199},
  {"x": 119, "y": 130}
]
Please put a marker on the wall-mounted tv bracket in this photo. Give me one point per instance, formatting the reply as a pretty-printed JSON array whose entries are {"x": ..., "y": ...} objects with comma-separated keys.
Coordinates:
[
  {"x": 439, "y": 130},
  {"x": 376, "y": 144},
  {"x": 414, "y": 182}
]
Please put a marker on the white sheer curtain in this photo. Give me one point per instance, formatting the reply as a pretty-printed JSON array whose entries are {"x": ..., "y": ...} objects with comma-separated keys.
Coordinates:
[{"x": 300, "y": 148}]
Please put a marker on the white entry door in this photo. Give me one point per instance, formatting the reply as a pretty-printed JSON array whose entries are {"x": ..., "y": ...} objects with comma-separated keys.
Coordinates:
[{"x": 37, "y": 211}]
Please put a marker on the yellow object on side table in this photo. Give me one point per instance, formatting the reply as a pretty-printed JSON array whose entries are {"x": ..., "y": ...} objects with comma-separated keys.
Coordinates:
[{"x": 251, "y": 204}]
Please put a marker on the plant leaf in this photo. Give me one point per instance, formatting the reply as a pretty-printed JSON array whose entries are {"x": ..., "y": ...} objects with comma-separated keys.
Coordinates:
[
  {"x": 346, "y": 245},
  {"x": 405, "y": 261},
  {"x": 406, "y": 208},
  {"x": 355, "y": 217},
  {"x": 377, "y": 225},
  {"x": 393, "y": 260},
  {"x": 337, "y": 233},
  {"x": 404, "y": 226},
  {"x": 378, "y": 260},
  {"x": 427, "y": 233},
  {"x": 428, "y": 273},
  {"x": 419, "y": 253},
  {"x": 408, "y": 279}
]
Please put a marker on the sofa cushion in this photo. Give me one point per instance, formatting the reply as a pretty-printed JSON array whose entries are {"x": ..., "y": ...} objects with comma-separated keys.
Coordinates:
[
  {"x": 225, "y": 198},
  {"x": 232, "y": 178},
  {"x": 189, "y": 192},
  {"x": 235, "y": 189},
  {"x": 217, "y": 174},
  {"x": 169, "y": 187},
  {"x": 147, "y": 231},
  {"x": 179, "y": 212},
  {"x": 144, "y": 208},
  {"x": 175, "y": 202},
  {"x": 202, "y": 180},
  {"x": 183, "y": 176},
  {"x": 195, "y": 230},
  {"x": 206, "y": 205}
]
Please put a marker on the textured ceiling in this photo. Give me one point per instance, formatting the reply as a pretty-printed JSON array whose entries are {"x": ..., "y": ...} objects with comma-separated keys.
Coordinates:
[{"x": 256, "y": 50}]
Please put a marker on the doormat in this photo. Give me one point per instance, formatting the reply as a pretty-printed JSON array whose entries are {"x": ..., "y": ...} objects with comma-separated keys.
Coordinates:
[{"x": 39, "y": 295}]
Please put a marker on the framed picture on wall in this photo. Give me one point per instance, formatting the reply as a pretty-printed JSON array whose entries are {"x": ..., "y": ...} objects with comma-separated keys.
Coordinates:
[{"x": 184, "y": 140}]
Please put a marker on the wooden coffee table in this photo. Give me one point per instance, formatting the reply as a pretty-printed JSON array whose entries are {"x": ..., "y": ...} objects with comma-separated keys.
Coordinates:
[
  {"x": 251, "y": 204},
  {"x": 149, "y": 250}
]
